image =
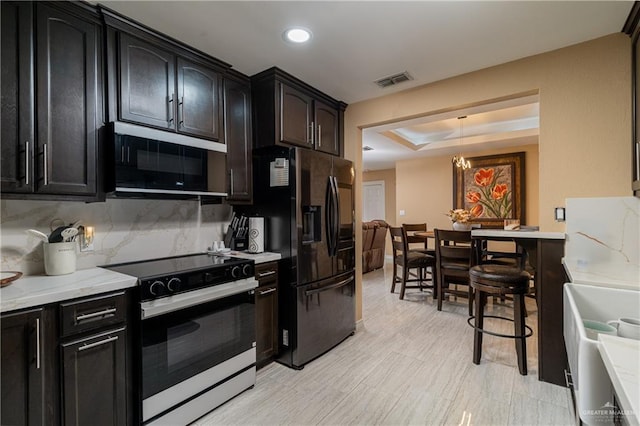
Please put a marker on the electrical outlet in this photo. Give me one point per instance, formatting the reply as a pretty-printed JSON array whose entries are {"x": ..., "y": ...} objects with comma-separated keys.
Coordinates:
[
  {"x": 401, "y": 212},
  {"x": 87, "y": 234}
]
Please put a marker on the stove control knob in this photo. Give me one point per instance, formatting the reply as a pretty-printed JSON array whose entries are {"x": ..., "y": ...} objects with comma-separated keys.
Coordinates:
[
  {"x": 247, "y": 270},
  {"x": 236, "y": 271},
  {"x": 174, "y": 285},
  {"x": 157, "y": 288}
]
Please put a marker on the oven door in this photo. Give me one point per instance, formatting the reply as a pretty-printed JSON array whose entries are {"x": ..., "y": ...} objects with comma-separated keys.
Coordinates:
[{"x": 192, "y": 349}]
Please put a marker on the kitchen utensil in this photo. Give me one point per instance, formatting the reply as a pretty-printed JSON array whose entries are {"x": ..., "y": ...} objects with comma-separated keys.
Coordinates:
[
  {"x": 7, "y": 277},
  {"x": 69, "y": 234},
  {"x": 38, "y": 234},
  {"x": 55, "y": 223},
  {"x": 56, "y": 234}
]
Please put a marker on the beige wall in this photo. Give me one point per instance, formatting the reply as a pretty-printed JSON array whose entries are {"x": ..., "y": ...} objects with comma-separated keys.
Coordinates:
[
  {"x": 424, "y": 187},
  {"x": 389, "y": 178},
  {"x": 585, "y": 119}
]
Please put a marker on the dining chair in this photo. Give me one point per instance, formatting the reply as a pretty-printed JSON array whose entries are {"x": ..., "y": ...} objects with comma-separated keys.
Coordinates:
[
  {"x": 406, "y": 261},
  {"x": 412, "y": 239},
  {"x": 454, "y": 258}
]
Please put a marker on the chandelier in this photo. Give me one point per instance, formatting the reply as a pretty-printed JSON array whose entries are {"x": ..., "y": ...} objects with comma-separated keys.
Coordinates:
[{"x": 459, "y": 160}]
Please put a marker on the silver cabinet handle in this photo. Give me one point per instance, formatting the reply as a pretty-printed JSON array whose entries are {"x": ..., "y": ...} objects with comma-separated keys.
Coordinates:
[
  {"x": 128, "y": 152},
  {"x": 271, "y": 290},
  {"x": 181, "y": 111},
  {"x": 98, "y": 343},
  {"x": 266, "y": 274},
  {"x": 46, "y": 166},
  {"x": 311, "y": 132},
  {"x": 170, "y": 103},
  {"x": 319, "y": 135},
  {"x": 122, "y": 154},
  {"x": 38, "y": 343},
  {"x": 638, "y": 160},
  {"x": 231, "y": 181},
  {"x": 96, "y": 314},
  {"x": 26, "y": 162}
]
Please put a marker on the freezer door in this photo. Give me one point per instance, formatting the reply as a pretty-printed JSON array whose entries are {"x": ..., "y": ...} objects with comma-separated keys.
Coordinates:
[
  {"x": 326, "y": 316},
  {"x": 313, "y": 198}
]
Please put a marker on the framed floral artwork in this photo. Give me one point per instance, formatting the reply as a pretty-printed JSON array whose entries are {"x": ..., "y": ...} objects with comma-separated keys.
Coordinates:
[{"x": 492, "y": 189}]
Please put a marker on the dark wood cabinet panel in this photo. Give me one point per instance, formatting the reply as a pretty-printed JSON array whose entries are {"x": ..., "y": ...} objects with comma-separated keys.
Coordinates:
[
  {"x": 266, "y": 312},
  {"x": 94, "y": 379},
  {"x": 28, "y": 368},
  {"x": 67, "y": 97},
  {"x": 635, "y": 148},
  {"x": 327, "y": 128},
  {"x": 16, "y": 115},
  {"x": 295, "y": 117},
  {"x": 147, "y": 83},
  {"x": 238, "y": 138},
  {"x": 289, "y": 112},
  {"x": 198, "y": 100}
]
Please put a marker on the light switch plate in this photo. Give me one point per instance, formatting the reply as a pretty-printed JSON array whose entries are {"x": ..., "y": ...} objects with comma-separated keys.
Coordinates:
[
  {"x": 560, "y": 214},
  {"x": 402, "y": 213}
]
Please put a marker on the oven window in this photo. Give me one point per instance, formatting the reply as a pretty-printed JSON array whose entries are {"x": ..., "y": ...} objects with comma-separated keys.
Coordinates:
[{"x": 179, "y": 345}]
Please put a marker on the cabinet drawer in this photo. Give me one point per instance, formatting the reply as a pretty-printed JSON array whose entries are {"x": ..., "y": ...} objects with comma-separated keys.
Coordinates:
[
  {"x": 266, "y": 272},
  {"x": 92, "y": 313}
]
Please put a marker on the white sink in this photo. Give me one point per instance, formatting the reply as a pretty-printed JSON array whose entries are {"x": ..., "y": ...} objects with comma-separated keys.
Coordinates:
[{"x": 591, "y": 382}]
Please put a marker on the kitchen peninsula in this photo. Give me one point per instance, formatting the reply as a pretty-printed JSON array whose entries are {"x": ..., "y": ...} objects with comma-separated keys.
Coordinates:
[{"x": 545, "y": 251}]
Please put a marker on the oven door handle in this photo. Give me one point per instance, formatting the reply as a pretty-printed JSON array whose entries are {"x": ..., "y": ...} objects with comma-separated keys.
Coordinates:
[{"x": 188, "y": 299}]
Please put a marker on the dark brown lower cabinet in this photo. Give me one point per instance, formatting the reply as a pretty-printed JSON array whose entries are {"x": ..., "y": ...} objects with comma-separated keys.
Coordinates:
[
  {"x": 27, "y": 369},
  {"x": 94, "y": 379},
  {"x": 266, "y": 313}
]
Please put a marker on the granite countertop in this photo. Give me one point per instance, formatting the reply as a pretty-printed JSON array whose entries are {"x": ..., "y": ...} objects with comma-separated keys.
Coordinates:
[
  {"x": 37, "y": 290},
  {"x": 603, "y": 274},
  {"x": 621, "y": 359},
  {"x": 257, "y": 257},
  {"x": 518, "y": 234}
]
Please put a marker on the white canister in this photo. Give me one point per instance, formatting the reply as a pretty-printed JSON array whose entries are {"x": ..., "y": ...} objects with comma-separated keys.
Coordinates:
[
  {"x": 59, "y": 258},
  {"x": 256, "y": 235}
]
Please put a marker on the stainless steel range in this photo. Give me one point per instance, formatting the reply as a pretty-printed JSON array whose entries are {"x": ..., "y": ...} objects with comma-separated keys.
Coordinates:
[{"x": 197, "y": 334}]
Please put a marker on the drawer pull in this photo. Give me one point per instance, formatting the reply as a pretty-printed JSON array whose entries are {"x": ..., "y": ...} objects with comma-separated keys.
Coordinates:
[
  {"x": 98, "y": 343},
  {"x": 271, "y": 290},
  {"x": 38, "y": 343},
  {"x": 96, "y": 314},
  {"x": 265, "y": 274}
]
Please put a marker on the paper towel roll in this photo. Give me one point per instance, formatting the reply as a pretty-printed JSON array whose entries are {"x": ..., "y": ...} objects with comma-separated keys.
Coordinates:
[{"x": 256, "y": 234}]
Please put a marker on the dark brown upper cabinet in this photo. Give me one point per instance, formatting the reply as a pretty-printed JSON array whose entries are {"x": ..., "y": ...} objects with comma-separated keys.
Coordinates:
[
  {"x": 147, "y": 83},
  {"x": 289, "y": 112},
  {"x": 158, "y": 82},
  {"x": 632, "y": 29},
  {"x": 52, "y": 88},
  {"x": 237, "y": 123}
]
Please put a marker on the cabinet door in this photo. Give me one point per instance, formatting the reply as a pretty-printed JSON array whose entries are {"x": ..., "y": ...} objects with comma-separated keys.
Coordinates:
[
  {"x": 22, "y": 368},
  {"x": 67, "y": 84},
  {"x": 147, "y": 83},
  {"x": 326, "y": 122},
  {"x": 295, "y": 117},
  {"x": 94, "y": 380},
  {"x": 198, "y": 100},
  {"x": 635, "y": 148},
  {"x": 237, "y": 123},
  {"x": 266, "y": 321},
  {"x": 16, "y": 125}
]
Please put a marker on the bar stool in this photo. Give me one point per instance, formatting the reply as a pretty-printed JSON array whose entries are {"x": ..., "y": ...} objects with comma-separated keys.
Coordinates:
[{"x": 500, "y": 280}]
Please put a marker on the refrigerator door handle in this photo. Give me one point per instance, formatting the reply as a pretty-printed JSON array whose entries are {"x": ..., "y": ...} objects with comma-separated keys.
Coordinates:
[
  {"x": 329, "y": 216},
  {"x": 329, "y": 287},
  {"x": 336, "y": 221}
]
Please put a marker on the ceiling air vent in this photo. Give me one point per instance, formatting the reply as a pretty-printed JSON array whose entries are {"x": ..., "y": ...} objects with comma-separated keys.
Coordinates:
[
  {"x": 394, "y": 79},
  {"x": 367, "y": 148}
]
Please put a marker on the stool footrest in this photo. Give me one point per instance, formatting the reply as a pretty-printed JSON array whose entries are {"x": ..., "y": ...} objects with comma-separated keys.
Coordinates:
[{"x": 493, "y": 333}]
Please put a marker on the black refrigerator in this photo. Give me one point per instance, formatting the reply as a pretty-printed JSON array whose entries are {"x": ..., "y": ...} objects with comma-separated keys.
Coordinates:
[{"x": 307, "y": 200}]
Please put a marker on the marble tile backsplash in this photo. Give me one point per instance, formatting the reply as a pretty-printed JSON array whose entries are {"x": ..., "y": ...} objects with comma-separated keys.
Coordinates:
[
  {"x": 125, "y": 230},
  {"x": 603, "y": 230}
]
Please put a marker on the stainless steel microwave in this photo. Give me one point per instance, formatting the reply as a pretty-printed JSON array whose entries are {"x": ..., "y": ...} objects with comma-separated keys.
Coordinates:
[{"x": 147, "y": 162}]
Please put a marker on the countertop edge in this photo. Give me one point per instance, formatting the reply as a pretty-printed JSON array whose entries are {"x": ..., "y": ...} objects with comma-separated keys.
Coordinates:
[
  {"x": 542, "y": 235},
  {"x": 607, "y": 344}
]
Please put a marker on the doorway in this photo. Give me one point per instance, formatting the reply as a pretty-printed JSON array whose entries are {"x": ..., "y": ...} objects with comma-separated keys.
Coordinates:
[{"x": 373, "y": 200}]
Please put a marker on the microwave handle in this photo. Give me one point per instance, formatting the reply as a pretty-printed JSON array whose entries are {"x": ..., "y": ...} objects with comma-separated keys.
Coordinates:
[{"x": 231, "y": 181}]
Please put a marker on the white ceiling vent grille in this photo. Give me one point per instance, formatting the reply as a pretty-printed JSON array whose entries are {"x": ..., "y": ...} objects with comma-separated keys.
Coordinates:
[
  {"x": 367, "y": 148},
  {"x": 392, "y": 80}
]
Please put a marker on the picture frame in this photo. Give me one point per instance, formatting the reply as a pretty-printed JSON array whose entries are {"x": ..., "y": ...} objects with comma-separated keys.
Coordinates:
[{"x": 492, "y": 189}]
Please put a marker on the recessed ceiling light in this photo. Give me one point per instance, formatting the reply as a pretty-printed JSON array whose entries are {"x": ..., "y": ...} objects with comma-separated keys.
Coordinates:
[{"x": 297, "y": 35}]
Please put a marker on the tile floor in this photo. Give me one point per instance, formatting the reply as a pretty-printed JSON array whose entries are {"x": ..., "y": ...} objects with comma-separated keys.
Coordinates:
[{"x": 406, "y": 364}]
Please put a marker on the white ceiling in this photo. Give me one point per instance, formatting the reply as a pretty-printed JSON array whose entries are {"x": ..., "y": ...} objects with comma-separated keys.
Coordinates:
[{"x": 357, "y": 42}]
